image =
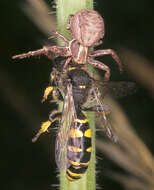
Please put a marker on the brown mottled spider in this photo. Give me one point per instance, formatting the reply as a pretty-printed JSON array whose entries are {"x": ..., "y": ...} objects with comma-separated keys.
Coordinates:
[{"x": 87, "y": 29}]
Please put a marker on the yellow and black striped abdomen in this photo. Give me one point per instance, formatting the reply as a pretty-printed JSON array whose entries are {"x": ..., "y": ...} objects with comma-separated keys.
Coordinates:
[{"x": 79, "y": 148}]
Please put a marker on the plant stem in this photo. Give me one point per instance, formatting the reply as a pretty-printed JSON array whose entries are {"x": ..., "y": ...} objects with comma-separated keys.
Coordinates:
[
  {"x": 87, "y": 182},
  {"x": 67, "y": 7}
]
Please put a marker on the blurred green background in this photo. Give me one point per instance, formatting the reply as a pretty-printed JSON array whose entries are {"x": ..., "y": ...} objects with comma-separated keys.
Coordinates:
[{"x": 24, "y": 165}]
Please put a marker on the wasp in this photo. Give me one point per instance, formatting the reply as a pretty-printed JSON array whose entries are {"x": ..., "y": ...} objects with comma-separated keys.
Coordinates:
[
  {"x": 78, "y": 91},
  {"x": 73, "y": 142}
]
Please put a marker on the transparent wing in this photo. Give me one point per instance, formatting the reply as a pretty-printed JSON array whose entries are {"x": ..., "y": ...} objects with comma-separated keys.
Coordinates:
[
  {"x": 120, "y": 89},
  {"x": 103, "y": 116},
  {"x": 103, "y": 121},
  {"x": 68, "y": 115},
  {"x": 117, "y": 89}
]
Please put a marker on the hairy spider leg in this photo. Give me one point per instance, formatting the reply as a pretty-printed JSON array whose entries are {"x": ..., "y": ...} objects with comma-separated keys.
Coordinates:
[
  {"x": 46, "y": 50},
  {"x": 102, "y": 66},
  {"x": 108, "y": 52}
]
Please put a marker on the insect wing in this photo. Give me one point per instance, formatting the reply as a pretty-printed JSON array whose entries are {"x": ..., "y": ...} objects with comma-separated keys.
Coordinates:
[
  {"x": 117, "y": 89},
  {"x": 68, "y": 115},
  {"x": 104, "y": 121},
  {"x": 103, "y": 117}
]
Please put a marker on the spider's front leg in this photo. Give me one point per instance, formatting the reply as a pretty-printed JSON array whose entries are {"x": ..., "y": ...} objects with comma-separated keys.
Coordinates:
[
  {"x": 102, "y": 66},
  {"x": 46, "y": 50},
  {"x": 59, "y": 35},
  {"x": 108, "y": 52}
]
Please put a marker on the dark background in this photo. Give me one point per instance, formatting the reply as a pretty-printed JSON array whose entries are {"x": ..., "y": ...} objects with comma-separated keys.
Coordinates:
[{"x": 25, "y": 165}]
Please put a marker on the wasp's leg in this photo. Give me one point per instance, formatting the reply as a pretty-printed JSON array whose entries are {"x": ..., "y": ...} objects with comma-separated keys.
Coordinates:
[
  {"x": 47, "y": 92},
  {"x": 102, "y": 119},
  {"x": 56, "y": 94},
  {"x": 68, "y": 23},
  {"x": 55, "y": 115},
  {"x": 108, "y": 52},
  {"x": 50, "y": 89},
  {"x": 58, "y": 34},
  {"x": 46, "y": 50},
  {"x": 102, "y": 66},
  {"x": 45, "y": 125},
  {"x": 98, "y": 109}
]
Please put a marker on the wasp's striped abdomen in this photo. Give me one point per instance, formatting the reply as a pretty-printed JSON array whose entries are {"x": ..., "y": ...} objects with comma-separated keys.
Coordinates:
[{"x": 79, "y": 148}]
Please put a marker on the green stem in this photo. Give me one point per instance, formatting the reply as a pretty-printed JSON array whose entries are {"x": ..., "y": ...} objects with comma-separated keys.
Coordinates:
[
  {"x": 67, "y": 7},
  {"x": 87, "y": 182}
]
